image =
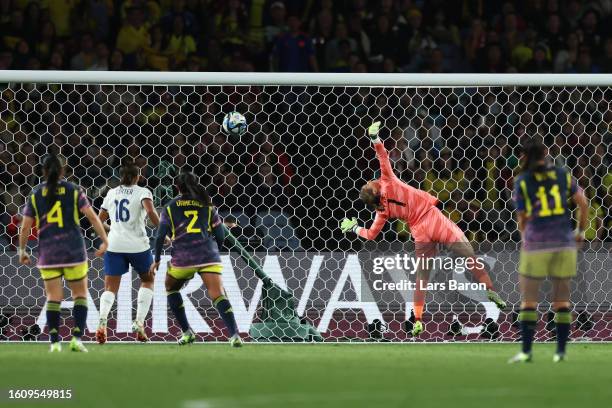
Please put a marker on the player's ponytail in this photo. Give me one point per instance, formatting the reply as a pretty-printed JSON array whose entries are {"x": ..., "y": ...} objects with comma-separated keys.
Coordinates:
[
  {"x": 128, "y": 172},
  {"x": 53, "y": 169},
  {"x": 534, "y": 151},
  {"x": 189, "y": 185}
]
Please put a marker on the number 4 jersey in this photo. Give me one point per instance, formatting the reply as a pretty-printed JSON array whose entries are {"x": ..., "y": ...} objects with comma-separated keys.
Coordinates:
[
  {"x": 127, "y": 216},
  {"x": 544, "y": 197},
  {"x": 60, "y": 239}
]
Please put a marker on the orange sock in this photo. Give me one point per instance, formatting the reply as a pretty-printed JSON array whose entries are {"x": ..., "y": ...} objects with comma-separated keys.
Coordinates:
[
  {"x": 419, "y": 299},
  {"x": 480, "y": 274}
]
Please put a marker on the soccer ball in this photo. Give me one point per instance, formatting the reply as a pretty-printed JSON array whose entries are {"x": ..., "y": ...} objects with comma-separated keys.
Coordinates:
[{"x": 234, "y": 123}]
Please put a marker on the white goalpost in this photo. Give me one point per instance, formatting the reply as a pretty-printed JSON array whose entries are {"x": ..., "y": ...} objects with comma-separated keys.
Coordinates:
[{"x": 296, "y": 173}]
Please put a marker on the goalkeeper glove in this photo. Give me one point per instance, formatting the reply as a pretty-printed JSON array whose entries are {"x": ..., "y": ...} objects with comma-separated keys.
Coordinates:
[
  {"x": 373, "y": 131},
  {"x": 349, "y": 225}
]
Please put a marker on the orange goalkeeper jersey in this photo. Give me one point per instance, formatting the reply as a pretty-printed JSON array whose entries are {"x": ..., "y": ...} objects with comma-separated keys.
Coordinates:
[{"x": 397, "y": 199}]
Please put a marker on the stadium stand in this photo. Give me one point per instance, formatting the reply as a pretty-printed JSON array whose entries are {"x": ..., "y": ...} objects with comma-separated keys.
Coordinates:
[{"x": 96, "y": 132}]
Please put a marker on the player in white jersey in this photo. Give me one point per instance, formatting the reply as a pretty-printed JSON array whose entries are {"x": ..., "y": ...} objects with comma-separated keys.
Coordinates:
[{"x": 127, "y": 206}]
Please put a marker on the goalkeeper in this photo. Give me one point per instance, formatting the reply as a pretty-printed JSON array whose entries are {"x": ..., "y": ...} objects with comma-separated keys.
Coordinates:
[{"x": 392, "y": 198}]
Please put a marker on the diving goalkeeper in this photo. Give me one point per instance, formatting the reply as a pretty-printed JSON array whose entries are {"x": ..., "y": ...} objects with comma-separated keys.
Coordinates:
[{"x": 392, "y": 198}]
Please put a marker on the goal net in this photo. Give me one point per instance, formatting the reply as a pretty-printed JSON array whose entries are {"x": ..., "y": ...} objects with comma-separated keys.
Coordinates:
[{"x": 295, "y": 174}]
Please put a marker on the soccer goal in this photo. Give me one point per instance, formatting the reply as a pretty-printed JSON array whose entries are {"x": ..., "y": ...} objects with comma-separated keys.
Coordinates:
[{"x": 296, "y": 173}]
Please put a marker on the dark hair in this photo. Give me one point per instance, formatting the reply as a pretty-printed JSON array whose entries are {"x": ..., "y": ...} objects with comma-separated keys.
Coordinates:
[
  {"x": 52, "y": 169},
  {"x": 371, "y": 200},
  {"x": 534, "y": 151},
  {"x": 128, "y": 172},
  {"x": 189, "y": 185}
]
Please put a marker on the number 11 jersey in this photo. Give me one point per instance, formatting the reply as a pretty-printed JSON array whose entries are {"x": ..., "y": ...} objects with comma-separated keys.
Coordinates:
[{"x": 127, "y": 215}]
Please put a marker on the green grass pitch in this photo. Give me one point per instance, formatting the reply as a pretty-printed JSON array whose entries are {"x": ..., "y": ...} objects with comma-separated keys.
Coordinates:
[{"x": 342, "y": 375}]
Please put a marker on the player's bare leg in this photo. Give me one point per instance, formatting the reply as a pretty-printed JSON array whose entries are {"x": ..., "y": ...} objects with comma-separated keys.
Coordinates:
[
  {"x": 563, "y": 315},
  {"x": 145, "y": 297},
  {"x": 528, "y": 317},
  {"x": 111, "y": 287},
  {"x": 464, "y": 249}
]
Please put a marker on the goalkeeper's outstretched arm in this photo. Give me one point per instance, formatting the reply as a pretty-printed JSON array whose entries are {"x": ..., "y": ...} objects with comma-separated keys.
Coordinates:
[
  {"x": 366, "y": 195},
  {"x": 386, "y": 171}
]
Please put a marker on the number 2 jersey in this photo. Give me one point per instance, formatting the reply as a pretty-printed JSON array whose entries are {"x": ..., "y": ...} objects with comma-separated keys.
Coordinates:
[
  {"x": 191, "y": 225},
  {"x": 60, "y": 238},
  {"x": 127, "y": 214},
  {"x": 544, "y": 197}
]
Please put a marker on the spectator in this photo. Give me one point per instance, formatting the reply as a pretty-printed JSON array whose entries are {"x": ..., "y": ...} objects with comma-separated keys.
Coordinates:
[
  {"x": 45, "y": 43},
  {"x": 178, "y": 8},
  {"x": 566, "y": 58},
  {"x": 493, "y": 61},
  {"x": 554, "y": 35},
  {"x": 115, "y": 62},
  {"x": 322, "y": 32},
  {"x": 335, "y": 52},
  {"x": 100, "y": 13},
  {"x": 443, "y": 31},
  {"x": 86, "y": 58},
  {"x": 539, "y": 64},
  {"x": 435, "y": 63},
  {"x": 31, "y": 22},
  {"x": 475, "y": 41},
  {"x": 269, "y": 193},
  {"x": 60, "y": 13},
  {"x": 606, "y": 59},
  {"x": 5, "y": 12},
  {"x": 277, "y": 24},
  {"x": 101, "y": 58},
  {"x": 382, "y": 36},
  {"x": 277, "y": 159},
  {"x": 22, "y": 55},
  {"x": 357, "y": 32},
  {"x": 231, "y": 24},
  {"x": 133, "y": 37},
  {"x": 13, "y": 31},
  {"x": 180, "y": 44},
  {"x": 419, "y": 41},
  {"x": 6, "y": 60},
  {"x": 590, "y": 29},
  {"x": 293, "y": 50},
  {"x": 383, "y": 41},
  {"x": 585, "y": 63}
]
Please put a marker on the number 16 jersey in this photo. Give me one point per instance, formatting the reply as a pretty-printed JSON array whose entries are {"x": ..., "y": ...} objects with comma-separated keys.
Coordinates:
[{"x": 127, "y": 215}]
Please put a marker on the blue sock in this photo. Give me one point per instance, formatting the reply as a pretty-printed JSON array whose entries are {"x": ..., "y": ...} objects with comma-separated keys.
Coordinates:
[
  {"x": 53, "y": 320},
  {"x": 529, "y": 320},
  {"x": 563, "y": 321},
  {"x": 227, "y": 314},
  {"x": 175, "y": 300},
  {"x": 79, "y": 312}
]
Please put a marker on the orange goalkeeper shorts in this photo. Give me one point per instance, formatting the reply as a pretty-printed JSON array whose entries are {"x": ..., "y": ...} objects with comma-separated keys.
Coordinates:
[{"x": 432, "y": 229}]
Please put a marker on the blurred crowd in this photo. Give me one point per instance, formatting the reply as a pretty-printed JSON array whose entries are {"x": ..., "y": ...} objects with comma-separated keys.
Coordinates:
[
  {"x": 308, "y": 35},
  {"x": 305, "y": 154}
]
